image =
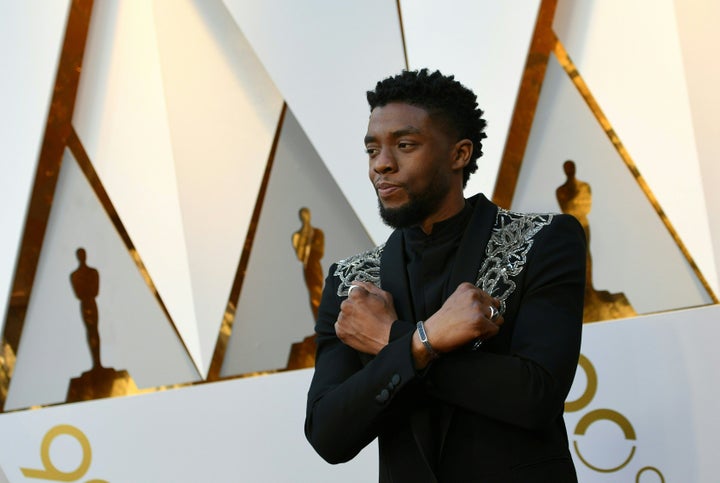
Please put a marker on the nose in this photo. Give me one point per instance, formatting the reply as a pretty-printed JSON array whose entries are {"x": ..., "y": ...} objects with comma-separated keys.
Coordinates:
[{"x": 383, "y": 162}]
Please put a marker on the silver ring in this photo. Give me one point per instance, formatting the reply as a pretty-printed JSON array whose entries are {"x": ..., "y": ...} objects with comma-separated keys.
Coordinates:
[
  {"x": 351, "y": 289},
  {"x": 493, "y": 313}
]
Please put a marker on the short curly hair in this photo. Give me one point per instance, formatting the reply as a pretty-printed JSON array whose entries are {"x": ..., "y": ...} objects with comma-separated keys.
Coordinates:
[{"x": 441, "y": 96}]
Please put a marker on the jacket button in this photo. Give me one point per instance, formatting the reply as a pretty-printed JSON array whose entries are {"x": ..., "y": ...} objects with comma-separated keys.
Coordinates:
[
  {"x": 383, "y": 396},
  {"x": 395, "y": 379}
]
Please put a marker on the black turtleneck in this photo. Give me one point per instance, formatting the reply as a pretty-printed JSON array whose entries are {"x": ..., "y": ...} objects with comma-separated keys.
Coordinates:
[{"x": 430, "y": 259}]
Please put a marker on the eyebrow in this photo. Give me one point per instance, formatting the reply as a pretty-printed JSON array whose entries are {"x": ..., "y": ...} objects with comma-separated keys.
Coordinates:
[{"x": 396, "y": 134}]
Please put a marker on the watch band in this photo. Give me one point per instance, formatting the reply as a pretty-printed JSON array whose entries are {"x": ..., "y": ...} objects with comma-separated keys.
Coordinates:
[{"x": 425, "y": 341}]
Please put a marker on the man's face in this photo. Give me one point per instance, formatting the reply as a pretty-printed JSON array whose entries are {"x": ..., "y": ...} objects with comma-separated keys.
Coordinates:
[{"x": 411, "y": 164}]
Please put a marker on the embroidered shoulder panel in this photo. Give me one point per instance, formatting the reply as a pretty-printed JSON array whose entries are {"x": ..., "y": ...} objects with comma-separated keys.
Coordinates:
[
  {"x": 363, "y": 267},
  {"x": 506, "y": 252}
]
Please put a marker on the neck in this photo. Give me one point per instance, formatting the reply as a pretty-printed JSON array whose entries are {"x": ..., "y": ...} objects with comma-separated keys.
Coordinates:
[{"x": 448, "y": 210}]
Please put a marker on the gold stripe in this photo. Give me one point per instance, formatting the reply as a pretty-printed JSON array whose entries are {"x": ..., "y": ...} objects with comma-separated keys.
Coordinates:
[
  {"x": 229, "y": 317},
  {"x": 582, "y": 87},
  {"x": 57, "y": 129},
  {"x": 86, "y": 166},
  {"x": 151, "y": 390},
  {"x": 525, "y": 106},
  {"x": 402, "y": 35}
]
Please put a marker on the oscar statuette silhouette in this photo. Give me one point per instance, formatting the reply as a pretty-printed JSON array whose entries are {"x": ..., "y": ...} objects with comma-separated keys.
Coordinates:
[
  {"x": 309, "y": 245},
  {"x": 575, "y": 198},
  {"x": 99, "y": 381}
]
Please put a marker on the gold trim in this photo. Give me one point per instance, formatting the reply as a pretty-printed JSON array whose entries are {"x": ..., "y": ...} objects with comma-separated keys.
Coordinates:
[
  {"x": 57, "y": 129},
  {"x": 81, "y": 157},
  {"x": 229, "y": 317},
  {"x": 402, "y": 34},
  {"x": 584, "y": 90},
  {"x": 151, "y": 390},
  {"x": 526, "y": 104}
]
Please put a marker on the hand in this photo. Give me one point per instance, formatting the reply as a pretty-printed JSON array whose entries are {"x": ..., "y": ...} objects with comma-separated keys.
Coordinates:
[
  {"x": 464, "y": 317},
  {"x": 365, "y": 318}
]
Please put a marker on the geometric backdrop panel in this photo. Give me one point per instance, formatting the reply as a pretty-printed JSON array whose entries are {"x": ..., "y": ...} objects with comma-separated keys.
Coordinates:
[
  {"x": 121, "y": 118},
  {"x": 630, "y": 55},
  {"x": 29, "y": 48},
  {"x": 632, "y": 251},
  {"x": 486, "y": 49},
  {"x": 223, "y": 111},
  {"x": 323, "y": 56},
  {"x": 274, "y": 309},
  {"x": 135, "y": 334},
  {"x": 178, "y": 118}
]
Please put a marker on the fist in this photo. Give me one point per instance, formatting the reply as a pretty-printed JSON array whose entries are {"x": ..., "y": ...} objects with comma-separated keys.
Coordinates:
[{"x": 467, "y": 315}]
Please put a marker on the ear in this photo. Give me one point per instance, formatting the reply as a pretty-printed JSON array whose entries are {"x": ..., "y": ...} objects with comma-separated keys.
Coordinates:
[{"x": 462, "y": 151}]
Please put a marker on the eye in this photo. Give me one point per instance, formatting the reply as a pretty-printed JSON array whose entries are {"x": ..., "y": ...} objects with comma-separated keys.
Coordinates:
[
  {"x": 405, "y": 145},
  {"x": 371, "y": 151}
]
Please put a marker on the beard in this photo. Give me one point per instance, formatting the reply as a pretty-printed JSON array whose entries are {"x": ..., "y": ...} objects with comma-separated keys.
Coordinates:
[{"x": 418, "y": 207}]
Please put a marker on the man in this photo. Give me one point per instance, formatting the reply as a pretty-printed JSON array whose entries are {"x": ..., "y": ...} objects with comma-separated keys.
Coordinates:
[{"x": 455, "y": 343}]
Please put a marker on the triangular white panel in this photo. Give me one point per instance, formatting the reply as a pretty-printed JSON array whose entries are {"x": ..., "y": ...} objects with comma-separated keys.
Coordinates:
[
  {"x": 178, "y": 116},
  {"x": 26, "y": 86},
  {"x": 699, "y": 39},
  {"x": 222, "y": 111},
  {"x": 121, "y": 118},
  {"x": 632, "y": 251},
  {"x": 629, "y": 54},
  {"x": 135, "y": 334},
  {"x": 485, "y": 48},
  {"x": 263, "y": 333},
  {"x": 323, "y": 56}
]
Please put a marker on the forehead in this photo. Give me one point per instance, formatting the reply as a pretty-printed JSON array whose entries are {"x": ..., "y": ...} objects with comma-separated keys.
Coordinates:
[{"x": 399, "y": 117}]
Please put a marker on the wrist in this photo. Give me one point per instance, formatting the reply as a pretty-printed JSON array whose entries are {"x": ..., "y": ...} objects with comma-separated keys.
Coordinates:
[
  {"x": 423, "y": 337},
  {"x": 420, "y": 356}
]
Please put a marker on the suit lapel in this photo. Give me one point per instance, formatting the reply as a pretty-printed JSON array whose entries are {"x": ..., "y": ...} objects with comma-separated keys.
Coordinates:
[
  {"x": 393, "y": 276},
  {"x": 472, "y": 247}
]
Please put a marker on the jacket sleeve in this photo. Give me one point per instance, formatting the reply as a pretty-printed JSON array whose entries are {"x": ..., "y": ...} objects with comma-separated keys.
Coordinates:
[
  {"x": 527, "y": 385},
  {"x": 351, "y": 393}
]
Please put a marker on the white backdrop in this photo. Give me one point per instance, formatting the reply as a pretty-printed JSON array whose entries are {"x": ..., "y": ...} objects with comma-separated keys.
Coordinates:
[
  {"x": 178, "y": 105},
  {"x": 657, "y": 376}
]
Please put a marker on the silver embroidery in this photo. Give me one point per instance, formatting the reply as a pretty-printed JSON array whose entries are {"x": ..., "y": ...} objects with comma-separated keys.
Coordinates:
[
  {"x": 506, "y": 252},
  {"x": 505, "y": 256},
  {"x": 364, "y": 267}
]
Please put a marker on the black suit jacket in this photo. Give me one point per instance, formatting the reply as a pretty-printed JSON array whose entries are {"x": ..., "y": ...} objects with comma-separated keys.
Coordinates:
[{"x": 491, "y": 414}]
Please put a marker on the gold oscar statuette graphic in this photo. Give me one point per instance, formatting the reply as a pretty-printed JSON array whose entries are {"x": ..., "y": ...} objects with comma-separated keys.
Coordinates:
[
  {"x": 309, "y": 245},
  {"x": 575, "y": 198},
  {"x": 51, "y": 472},
  {"x": 99, "y": 381}
]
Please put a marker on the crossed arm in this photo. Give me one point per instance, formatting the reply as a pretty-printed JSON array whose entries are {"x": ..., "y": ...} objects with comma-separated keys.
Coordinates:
[
  {"x": 367, "y": 315},
  {"x": 525, "y": 386}
]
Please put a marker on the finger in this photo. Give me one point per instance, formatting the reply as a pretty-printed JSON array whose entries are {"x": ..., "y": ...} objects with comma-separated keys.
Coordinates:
[
  {"x": 491, "y": 312},
  {"x": 367, "y": 287},
  {"x": 372, "y": 289},
  {"x": 353, "y": 287},
  {"x": 468, "y": 287},
  {"x": 483, "y": 297},
  {"x": 492, "y": 328}
]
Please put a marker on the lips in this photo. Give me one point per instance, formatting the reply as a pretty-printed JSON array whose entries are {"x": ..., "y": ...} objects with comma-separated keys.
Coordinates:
[{"x": 385, "y": 189}]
